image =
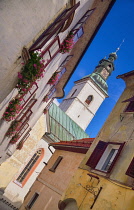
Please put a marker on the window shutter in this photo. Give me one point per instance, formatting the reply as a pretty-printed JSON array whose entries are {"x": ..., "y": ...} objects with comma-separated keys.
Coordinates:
[
  {"x": 97, "y": 153},
  {"x": 25, "y": 55},
  {"x": 130, "y": 170},
  {"x": 50, "y": 31},
  {"x": 116, "y": 157}
]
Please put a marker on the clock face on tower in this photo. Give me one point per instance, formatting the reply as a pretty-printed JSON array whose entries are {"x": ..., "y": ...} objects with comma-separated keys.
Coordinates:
[{"x": 104, "y": 73}]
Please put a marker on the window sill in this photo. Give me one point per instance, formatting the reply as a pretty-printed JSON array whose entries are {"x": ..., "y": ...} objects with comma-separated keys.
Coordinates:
[
  {"x": 52, "y": 170},
  {"x": 99, "y": 172}
]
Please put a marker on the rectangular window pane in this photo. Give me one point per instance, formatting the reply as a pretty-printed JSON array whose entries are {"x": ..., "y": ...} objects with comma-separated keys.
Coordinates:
[
  {"x": 34, "y": 198},
  {"x": 109, "y": 160},
  {"x": 57, "y": 162},
  {"x": 54, "y": 48},
  {"x": 78, "y": 35}
]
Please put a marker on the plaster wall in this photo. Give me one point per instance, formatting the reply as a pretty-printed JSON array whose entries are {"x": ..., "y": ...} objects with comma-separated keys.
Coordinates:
[
  {"x": 21, "y": 21},
  {"x": 50, "y": 185},
  {"x": 112, "y": 196},
  {"x": 10, "y": 169}
]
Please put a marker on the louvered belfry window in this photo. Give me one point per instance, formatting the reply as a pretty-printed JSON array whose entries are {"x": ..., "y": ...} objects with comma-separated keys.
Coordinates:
[
  {"x": 130, "y": 170},
  {"x": 105, "y": 156},
  {"x": 89, "y": 99}
]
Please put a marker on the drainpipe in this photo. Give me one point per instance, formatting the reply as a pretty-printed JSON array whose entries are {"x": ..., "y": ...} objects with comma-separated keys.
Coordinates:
[{"x": 50, "y": 149}]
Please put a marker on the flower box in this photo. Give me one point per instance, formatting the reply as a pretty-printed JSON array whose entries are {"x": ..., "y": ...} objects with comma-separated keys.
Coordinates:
[
  {"x": 15, "y": 126},
  {"x": 68, "y": 44},
  {"x": 53, "y": 79},
  {"x": 12, "y": 110},
  {"x": 14, "y": 139},
  {"x": 30, "y": 72},
  {"x": 45, "y": 99},
  {"x": 20, "y": 145}
]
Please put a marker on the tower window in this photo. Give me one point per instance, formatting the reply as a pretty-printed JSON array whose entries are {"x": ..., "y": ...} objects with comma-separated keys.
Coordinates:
[
  {"x": 89, "y": 99},
  {"x": 29, "y": 168},
  {"x": 109, "y": 66}
]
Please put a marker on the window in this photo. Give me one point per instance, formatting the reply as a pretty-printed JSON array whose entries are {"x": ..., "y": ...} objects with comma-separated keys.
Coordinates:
[
  {"x": 57, "y": 162},
  {"x": 28, "y": 95},
  {"x": 29, "y": 168},
  {"x": 53, "y": 28},
  {"x": 130, "y": 170},
  {"x": 104, "y": 156},
  {"x": 78, "y": 29},
  {"x": 78, "y": 34},
  {"x": 89, "y": 99},
  {"x": 32, "y": 201},
  {"x": 24, "y": 116},
  {"x": 66, "y": 60},
  {"x": 130, "y": 106}
]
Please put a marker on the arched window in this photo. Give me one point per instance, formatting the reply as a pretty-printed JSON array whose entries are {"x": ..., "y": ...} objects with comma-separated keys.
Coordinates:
[
  {"x": 89, "y": 99},
  {"x": 29, "y": 168}
]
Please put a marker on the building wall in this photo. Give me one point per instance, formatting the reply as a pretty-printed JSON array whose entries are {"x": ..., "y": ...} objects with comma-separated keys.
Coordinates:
[
  {"x": 119, "y": 130},
  {"x": 11, "y": 169},
  {"x": 75, "y": 106},
  {"x": 112, "y": 196},
  {"x": 21, "y": 22},
  {"x": 117, "y": 187},
  {"x": 50, "y": 185}
]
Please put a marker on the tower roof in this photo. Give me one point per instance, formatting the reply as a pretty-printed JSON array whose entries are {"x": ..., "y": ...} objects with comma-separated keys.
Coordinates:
[{"x": 103, "y": 71}]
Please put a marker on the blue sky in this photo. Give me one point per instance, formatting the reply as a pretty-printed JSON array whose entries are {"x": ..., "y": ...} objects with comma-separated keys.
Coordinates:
[{"x": 118, "y": 25}]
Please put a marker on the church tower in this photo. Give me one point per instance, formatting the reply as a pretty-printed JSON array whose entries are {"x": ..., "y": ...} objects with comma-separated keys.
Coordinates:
[{"x": 88, "y": 93}]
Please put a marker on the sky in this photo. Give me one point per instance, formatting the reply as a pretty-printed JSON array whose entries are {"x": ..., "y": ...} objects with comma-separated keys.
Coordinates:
[{"x": 118, "y": 26}]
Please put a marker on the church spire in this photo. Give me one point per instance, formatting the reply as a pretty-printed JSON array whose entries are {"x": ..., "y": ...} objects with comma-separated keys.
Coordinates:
[{"x": 103, "y": 71}]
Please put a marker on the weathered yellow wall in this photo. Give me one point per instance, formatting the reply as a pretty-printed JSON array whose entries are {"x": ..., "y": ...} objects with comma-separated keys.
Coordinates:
[
  {"x": 117, "y": 192},
  {"x": 9, "y": 168},
  {"x": 111, "y": 197}
]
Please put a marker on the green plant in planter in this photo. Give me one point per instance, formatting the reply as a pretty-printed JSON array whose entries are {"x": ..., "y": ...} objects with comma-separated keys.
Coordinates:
[
  {"x": 53, "y": 79},
  {"x": 68, "y": 43},
  {"x": 45, "y": 99},
  {"x": 30, "y": 72},
  {"x": 15, "y": 126},
  {"x": 12, "y": 110},
  {"x": 20, "y": 145},
  {"x": 14, "y": 138}
]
